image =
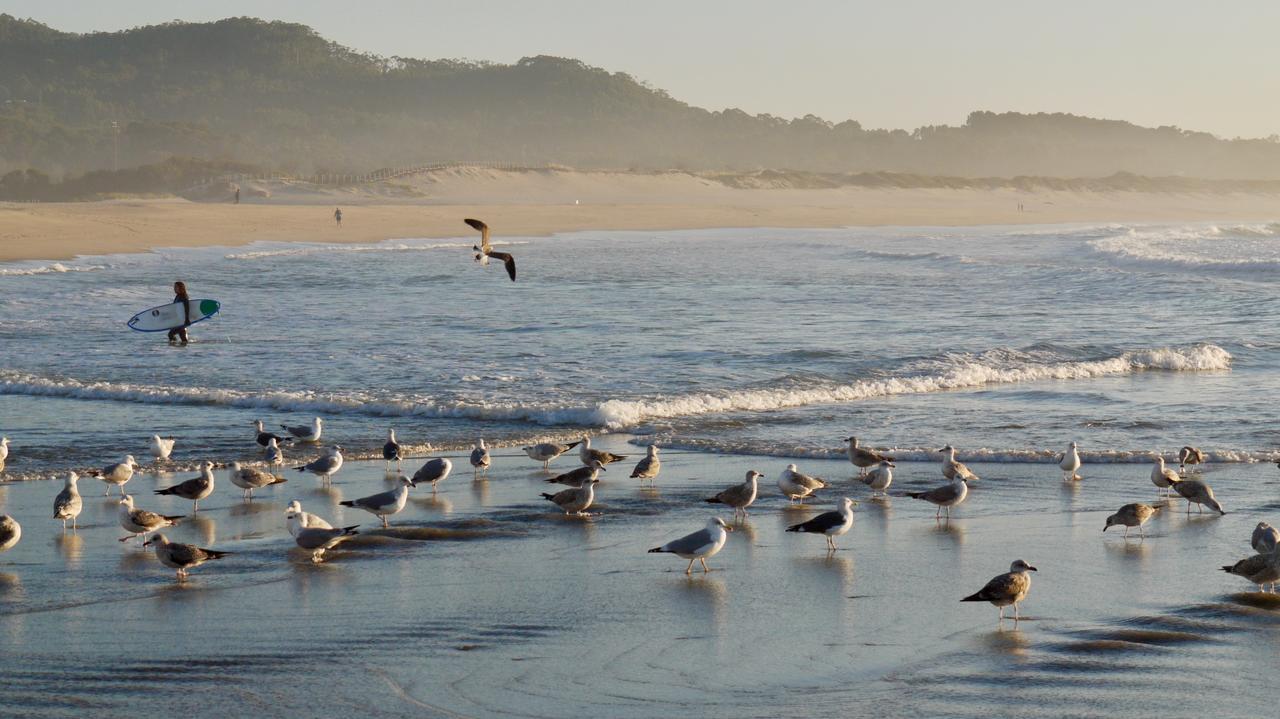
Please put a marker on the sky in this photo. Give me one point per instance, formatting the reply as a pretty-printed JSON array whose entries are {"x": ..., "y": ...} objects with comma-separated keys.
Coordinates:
[{"x": 895, "y": 63}]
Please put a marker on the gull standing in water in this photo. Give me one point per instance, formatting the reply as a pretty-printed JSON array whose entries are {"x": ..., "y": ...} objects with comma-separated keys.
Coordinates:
[
  {"x": 391, "y": 451},
  {"x": 951, "y": 468},
  {"x": 948, "y": 495},
  {"x": 1131, "y": 515},
  {"x": 577, "y": 477},
  {"x": 194, "y": 489},
  {"x": 1161, "y": 477},
  {"x": 648, "y": 467},
  {"x": 739, "y": 496},
  {"x": 251, "y": 478},
  {"x": 162, "y": 447},
  {"x": 546, "y": 451},
  {"x": 1199, "y": 492},
  {"x": 263, "y": 436},
  {"x": 484, "y": 251},
  {"x": 68, "y": 504},
  {"x": 273, "y": 455},
  {"x": 181, "y": 557},
  {"x": 384, "y": 504},
  {"x": 318, "y": 540},
  {"x": 4, "y": 452},
  {"x": 480, "y": 459},
  {"x": 1265, "y": 538},
  {"x": 10, "y": 532},
  {"x": 830, "y": 524},
  {"x": 1261, "y": 569},
  {"x": 589, "y": 455},
  {"x": 434, "y": 471},
  {"x": 117, "y": 474},
  {"x": 325, "y": 466},
  {"x": 296, "y": 519},
  {"x": 306, "y": 433},
  {"x": 1006, "y": 589},
  {"x": 864, "y": 458},
  {"x": 140, "y": 521},
  {"x": 1189, "y": 455},
  {"x": 1069, "y": 461},
  {"x": 574, "y": 500},
  {"x": 880, "y": 478},
  {"x": 797, "y": 486},
  {"x": 696, "y": 547}
]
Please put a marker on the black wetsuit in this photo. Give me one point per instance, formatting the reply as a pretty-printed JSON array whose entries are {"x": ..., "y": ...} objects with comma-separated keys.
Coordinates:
[{"x": 180, "y": 333}]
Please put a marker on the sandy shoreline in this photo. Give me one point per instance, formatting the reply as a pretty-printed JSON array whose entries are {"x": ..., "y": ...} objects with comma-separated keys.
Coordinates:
[{"x": 58, "y": 231}]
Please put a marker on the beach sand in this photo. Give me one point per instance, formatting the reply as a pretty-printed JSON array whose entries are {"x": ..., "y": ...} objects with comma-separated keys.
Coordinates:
[
  {"x": 544, "y": 203},
  {"x": 482, "y": 601}
]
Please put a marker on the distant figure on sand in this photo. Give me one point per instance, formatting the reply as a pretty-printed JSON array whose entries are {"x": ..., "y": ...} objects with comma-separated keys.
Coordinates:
[
  {"x": 237, "y": 195},
  {"x": 180, "y": 295},
  {"x": 337, "y": 216}
]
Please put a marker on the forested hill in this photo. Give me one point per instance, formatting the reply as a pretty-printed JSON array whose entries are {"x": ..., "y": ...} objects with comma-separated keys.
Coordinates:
[{"x": 279, "y": 95}]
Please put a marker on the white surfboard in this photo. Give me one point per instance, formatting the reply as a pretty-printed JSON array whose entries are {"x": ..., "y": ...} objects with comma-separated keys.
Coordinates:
[{"x": 167, "y": 317}]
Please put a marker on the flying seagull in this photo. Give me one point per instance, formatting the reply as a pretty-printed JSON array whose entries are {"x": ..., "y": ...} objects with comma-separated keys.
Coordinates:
[{"x": 484, "y": 250}]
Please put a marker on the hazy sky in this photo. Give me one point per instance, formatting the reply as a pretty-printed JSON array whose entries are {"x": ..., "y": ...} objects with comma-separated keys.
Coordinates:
[{"x": 895, "y": 63}]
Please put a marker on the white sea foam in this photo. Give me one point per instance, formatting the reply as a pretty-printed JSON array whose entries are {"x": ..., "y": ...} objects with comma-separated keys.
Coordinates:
[
  {"x": 49, "y": 269},
  {"x": 1246, "y": 250},
  {"x": 963, "y": 371}
]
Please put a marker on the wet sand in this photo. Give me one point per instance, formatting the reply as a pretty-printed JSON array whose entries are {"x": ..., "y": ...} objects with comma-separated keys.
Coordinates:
[{"x": 481, "y": 601}]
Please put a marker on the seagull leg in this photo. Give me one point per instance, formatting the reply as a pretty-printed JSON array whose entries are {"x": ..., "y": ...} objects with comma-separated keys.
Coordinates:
[
  {"x": 705, "y": 569},
  {"x": 384, "y": 521},
  {"x": 689, "y": 569}
]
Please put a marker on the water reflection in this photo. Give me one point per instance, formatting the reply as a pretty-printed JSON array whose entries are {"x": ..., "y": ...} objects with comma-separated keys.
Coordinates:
[
  {"x": 1134, "y": 547},
  {"x": 480, "y": 490},
  {"x": 203, "y": 528},
  {"x": 703, "y": 598},
  {"x": 950, "y": 529},
  {"x": 433, "y": 504},
  {"x": 71, "y": 546},
  {"x": 1008, "y": 639}
]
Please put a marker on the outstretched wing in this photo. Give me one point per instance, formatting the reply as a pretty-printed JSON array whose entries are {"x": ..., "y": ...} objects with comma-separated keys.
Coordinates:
[{"x": 484, "y": 233}]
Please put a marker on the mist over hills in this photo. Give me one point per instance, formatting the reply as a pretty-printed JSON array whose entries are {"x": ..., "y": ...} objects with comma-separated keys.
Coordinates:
[{"x": 279, "y": 95}]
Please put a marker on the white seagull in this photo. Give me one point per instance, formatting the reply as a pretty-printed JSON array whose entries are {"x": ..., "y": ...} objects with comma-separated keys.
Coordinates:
[
  {"x": 68, "y": 504},
  {"x": 705, "y": 542},
  {"x": 830, "y": 524},
  {"x": 946, "y": 496},
  {"x": 194, "y": 489},
  {"x": 326, "y": 465},
  {"x": 117, "y": 474},
  {"x": 951, "y": 468},
  {"x": 1069, "y": 461},
  {"x": 10, "y": 532},
  {"x": 296, "y": 519},
  {"x": 384, "y": 504},
  {"x": 480, "y": 460},
  {"x": 140, "y": 521},
  {"x": 864, "y": 458},
  {"x": 391, "y": 451},
  {"x": 880, "y": 478},
  {"x": 546, "y": 451},
  {"x": 648, "y": 467},
  {"x": 434, "y": 471},
  {"x": 1161, "y": 477},
  {"x": 306, "y": 433},
  {"x": 162, "y": 447},
  {"x": 272, "y": 454},
  {"x": 797, "y": 486}
]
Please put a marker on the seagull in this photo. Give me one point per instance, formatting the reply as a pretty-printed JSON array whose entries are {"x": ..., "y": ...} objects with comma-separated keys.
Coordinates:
[
  {"x": 484, "y": 251},
  {"x": 948, "y": 495},
  {"x": 296, "y": 519},
  {"x": 1069, "y": 461},
  {"x": 480, "y": 458},
  {"x": 251, "y": 478},
  {"x": 1265, "y": 538},
  {"x": 273, "y": 455},
  {"x": 181, "y": 556},
  {"x": 10, "y": 532},
  {"x": 1261, "y": 569},
  {"x": 384, "y": 504},
  {"x": 162, "y": 447},
  {"x": 577, "y": 477},
  {"x": 705, "y": 542},
  {"x": 648, "y": 467},
  {"x": 739, "y": 496},
  {"x": 194, "y": 489},
  {"x": 880, "y": 478},
  {"x": 1196, "y": 490},
  {"x": 951, "y": 467},
  {"x": 68, "y": 504},
  {"x": 317, "y": 539},
  {"x": 264, "y": 436},
  {"x": 546, "y": 451},
  {"x": 4, "y": 452},
  {"x": 140, "y": 521},
  {"x": 326, "y": 465},
  {"x": 434, "y": 471},
  {"x": 831, "y": 524},
  {"x": 1189, "y": 455},
  {"x": 574, "y": 500},
  {"x": 1131, "y": 515},
  {"x": 587, "y": 454},
  {"x": 1163, "y": 478},
  {"x": 797, "y": 486},
  {"x": 1006, "y": 589},
  {"x": 864, "y": 458},
  {"x": 117, "y": 474},
  {"x": 391, "y": 450},
  {"x": 305, "y": 433}
]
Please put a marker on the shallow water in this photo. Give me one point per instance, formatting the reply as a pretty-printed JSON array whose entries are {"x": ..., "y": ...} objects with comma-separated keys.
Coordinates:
[{"x": 735, "y": 349}]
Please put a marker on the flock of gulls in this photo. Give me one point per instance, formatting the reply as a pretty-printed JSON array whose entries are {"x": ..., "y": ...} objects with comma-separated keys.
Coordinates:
[{"x": 316, "y": 535}]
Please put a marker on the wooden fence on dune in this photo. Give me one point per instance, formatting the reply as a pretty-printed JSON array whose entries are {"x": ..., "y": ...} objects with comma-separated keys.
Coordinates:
[{"x": 347, "y": 179}]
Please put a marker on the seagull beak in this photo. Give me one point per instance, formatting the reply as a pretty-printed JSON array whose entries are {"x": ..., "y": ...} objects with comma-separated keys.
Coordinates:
[
  {"x": 147, "y": 543},
  {"x": 727, "y": 528},
  {"x": 1033, "y": 569}
]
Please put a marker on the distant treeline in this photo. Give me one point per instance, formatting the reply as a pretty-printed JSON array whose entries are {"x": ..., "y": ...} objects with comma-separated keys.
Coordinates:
[{"x": 279, "y": 95}]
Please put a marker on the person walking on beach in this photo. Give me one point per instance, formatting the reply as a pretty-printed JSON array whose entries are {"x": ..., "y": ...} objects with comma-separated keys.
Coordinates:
[
  {"x": 180, "y": 295},
  {"x": 237, "y": 195},
  {"x": 337, "y": 216}
]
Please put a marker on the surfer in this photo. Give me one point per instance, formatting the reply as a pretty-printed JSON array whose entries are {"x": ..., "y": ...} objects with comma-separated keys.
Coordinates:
[{"x": 180, "y": 295}]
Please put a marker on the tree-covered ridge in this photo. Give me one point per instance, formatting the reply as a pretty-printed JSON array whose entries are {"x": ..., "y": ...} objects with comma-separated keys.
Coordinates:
[{"x": 277, "y": 94}]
